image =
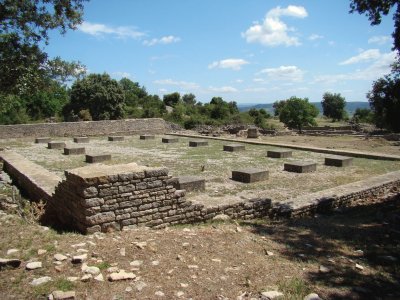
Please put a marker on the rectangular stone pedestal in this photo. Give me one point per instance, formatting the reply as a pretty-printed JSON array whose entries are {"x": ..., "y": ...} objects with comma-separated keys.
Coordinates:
[
  {"x": 279, "y": 153},
  {"x": 74, "y": 150},
  {"x": 147, "y": 137},
  {"x": 81, "y": 139},
  {"x": 198, "y": 143},
  {"x": 338, "y": 161},
  {"x": 168, "y": 140},
  {"x": 234, "y": 147},
  {"x": 300, "y": 167},
  {"x": 250, "y": 175},
  {"x": 191, "y": 183},
  {"x": 252, "y": 133},
  {"x": 56, "y": 145},
  {"x": 115, "y": 138},
  {"x": 42, "y": 140},
  {"x": 97, "y": 158}
]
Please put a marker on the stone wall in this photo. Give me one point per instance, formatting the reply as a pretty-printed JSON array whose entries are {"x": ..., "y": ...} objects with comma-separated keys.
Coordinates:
[
  {"x": 102, "y": 198},
  {"x": 88, "y": 128}
]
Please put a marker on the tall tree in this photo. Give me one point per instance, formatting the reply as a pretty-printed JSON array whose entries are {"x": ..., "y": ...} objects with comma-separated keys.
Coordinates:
[
  {"x": 384, "y": 99},
  {"x": 171, "y": 99},
  {"x": 333, "y": 106},
  {"x": 102, "y": 96},
  {"x": 297, "y": 113},
  {"x": 375, "y": 10},
  {"x": 24, "y": 25}
]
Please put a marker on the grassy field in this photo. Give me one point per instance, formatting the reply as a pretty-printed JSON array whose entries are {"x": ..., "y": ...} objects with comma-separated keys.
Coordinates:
[{"x": 214, "y": 165}]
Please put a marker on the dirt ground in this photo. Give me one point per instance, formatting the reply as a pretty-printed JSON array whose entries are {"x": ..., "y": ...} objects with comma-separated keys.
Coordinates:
[{"x": 218, "y": 260}]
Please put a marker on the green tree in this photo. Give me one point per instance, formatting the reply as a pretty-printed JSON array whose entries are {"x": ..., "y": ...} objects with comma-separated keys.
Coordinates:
[
  {"x": 24, "y": 26},
  {"x": 363, "y": 115},
  {"x": 98, "y": 93},
  {"x": 171, "y": 99},
  {"x": 333, "y": 106},
  {"x": 278, "y": 105},
  {"x": 297, "y": 113},
  {"x": 375, "y": 10},
  {"x": 189, "y": 99},
  {"x": 384, "y": 99}
]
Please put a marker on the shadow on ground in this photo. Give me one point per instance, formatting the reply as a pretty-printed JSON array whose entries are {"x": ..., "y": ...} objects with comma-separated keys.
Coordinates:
[{"x": 366, "y": 235}]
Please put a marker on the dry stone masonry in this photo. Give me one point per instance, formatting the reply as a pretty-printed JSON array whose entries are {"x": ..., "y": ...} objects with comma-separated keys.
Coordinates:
[
  {"x": 279, "y": 153},
  {"x": 234, "y": 147},
  {"x": 91, "y": 159},
  {"x": 338, "y": 161},
  {"x": 56, "y": 145},
  {"x": 103, "y": 198},
  {"x": 74, "y": 150},
  {"x": 115, "y": 138},
  {"x": 300, "y": 166},
  {"x": 190, "y": 183},
  {"x": 250, "y": 175}
]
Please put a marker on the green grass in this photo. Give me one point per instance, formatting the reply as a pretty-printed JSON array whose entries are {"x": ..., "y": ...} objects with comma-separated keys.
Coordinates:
[{"x": 295, "y": 288}]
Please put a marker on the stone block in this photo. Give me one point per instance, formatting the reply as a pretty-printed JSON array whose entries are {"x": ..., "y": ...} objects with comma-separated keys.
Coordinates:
[
  {"x": 300, "y": 166},
  {"x": 56, "y": 145},
  {"x": 97, "y": 158},
  {"x": 252, "y": 133},
  {"x": 74, "y": 150},
  {"x": 116, "y": 138},
  {"x": 250, "y": 175},
  {"x": 234, "y": 147},
  {"x": 198, "y": 143},
  {"x": 338, "y": 161},
  {"x": 42, "y": 140},
  {"x": 169, "y": 140},
  {"x": 191, "y": 183},
  {"x": 81, "y": 139},
  {"x": 147, "y": 137},
  {"x": 279, "y": 153}
]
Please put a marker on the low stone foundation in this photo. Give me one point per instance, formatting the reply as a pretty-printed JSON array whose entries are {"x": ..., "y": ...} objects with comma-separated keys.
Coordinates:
[{"x": 104, "y": 198}]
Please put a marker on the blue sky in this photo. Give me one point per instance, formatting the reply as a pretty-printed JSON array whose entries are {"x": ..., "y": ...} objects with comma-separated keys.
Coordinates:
[{"x": 252, "y": 51}]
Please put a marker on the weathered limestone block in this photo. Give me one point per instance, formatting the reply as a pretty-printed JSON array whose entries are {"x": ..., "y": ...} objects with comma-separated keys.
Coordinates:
[
  {"x": 252, "y": 133},
  {"x": 300, "y": 167},
  {"x": 198, "y": 143},
  {"x": 43, "y": 140},
  {"x": 55, "y": 145},
  {"x": 169, "y": 140},
  {"x": 190, "y": 183},
  {"x": 279, "y": 153},
  {"x": 81, "y": 139},
  {"x": 97, "y": 158},
  {"x": 92, "y": 202},
  {"x": 338, "y": 161},
  {"x": 115, "y": 138},
  {"x": 250, "y": 175},
  {"x": 234, "y": 147},
  {"x": 74, "y": 150},
  {"x": 147, "y": 137},
  {"x": 100, "y": 218}
]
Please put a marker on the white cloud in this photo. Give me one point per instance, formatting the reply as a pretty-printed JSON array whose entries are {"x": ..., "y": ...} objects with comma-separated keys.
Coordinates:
[
  {"x": 119, "y": 74},
  {"x": 364, "y": 56},
  {"x": 274, "y": 32},
  {"x": 380, "y": 39},
  {"x": 99, "y": 30},
  {"x": 230, "y": 63},
  {"x": 287, "y": 73},
  {"x": 258, "y": 80},
  {"x": 222, "y": 89},
  {"x": 256, "y": 90},
  {"x": 239, "y": 80},
  {"x": 170, "y": 39},
  {"x": 380, "y": 67},
  {"x": 314, "y": 37},
  {"x": 180, "y": 84}
]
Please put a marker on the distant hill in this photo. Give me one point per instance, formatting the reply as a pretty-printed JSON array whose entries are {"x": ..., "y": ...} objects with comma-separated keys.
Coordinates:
[{"x": 350, "y": 106}]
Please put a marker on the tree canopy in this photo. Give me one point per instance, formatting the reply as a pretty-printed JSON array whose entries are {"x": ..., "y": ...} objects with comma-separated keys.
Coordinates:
[
  {"x": 384, "y": 99},
  {"x": 297, "y": 113},
  {"x": 24, "y": 24},
  {"x": 375, "y": 10},
  {"x": 98, "y": 94},
  {"x": 333, "y": 106}
]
